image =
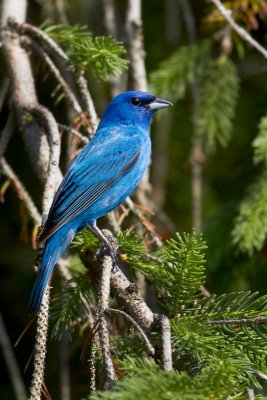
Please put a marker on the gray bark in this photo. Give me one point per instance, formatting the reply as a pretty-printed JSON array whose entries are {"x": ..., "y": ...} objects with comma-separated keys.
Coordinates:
[{"x": 22, "y": 86}]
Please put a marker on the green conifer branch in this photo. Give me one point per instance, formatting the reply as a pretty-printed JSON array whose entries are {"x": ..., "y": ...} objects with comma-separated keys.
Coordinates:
[
  {"x": 96, "y": 54},
  {"x": 175, "y": 74},
  {"x": 215, "y": 106},
  {"x": 68, "y": 311},
  {"x": 219, "y": 340},
  {"x": 223, "y": 380},
  {"x": 250, "y": 225},
  {"x": 260, "y": 143}
]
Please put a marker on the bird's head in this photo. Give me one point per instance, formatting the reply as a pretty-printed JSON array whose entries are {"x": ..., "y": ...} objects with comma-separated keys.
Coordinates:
[{"x": 133, "y": 107}]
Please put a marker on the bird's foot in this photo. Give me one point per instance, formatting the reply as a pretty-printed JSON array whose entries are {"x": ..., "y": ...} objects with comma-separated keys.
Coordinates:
[{"x": 109, "y": 247}]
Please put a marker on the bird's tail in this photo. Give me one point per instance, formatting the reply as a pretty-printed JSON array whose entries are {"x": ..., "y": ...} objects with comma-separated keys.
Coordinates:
[{"x": 55, "y": 246}]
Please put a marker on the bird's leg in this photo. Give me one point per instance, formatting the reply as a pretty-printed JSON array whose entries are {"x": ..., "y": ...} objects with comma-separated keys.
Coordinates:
[{"x": 109, "y": 242}]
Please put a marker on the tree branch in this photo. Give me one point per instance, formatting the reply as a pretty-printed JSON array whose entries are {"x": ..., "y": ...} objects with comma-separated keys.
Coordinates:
[
  {"x": 21, "y": 191},
  {"x": 23, "y": 89},
  {"x": 89, "y": 105},
  {"x": 74, "y": 132},
  {"x": 240, "y": 31},
  {"x": 134, "y": 29},
  {"x": 70, "y": 96},
  {"x": 53, "y": 174},
  {"x": 101, "y": 321},
  {"x": 138, "y": 328},
  {"x": 11, "y": 362},
  {"x": 6, "y": 134},
  {"x": 128, "y": 295},
  {"x": 40, "y": 348},
  {"x": 253, "y": 320},
  {"x": 166, "y": 342}
]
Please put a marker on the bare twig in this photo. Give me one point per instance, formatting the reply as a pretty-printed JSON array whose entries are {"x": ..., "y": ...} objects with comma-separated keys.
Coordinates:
[
  {"x": 259, "y": 374},
  {"x": 55, "y": 49},
  {"x": 158, "y": 260},
  {"x": 166, "y": 342},
  {"x": 3, "y": 91},
  {"x": 21, "y": 191},
  {"x": 53, "y": 175},
  {"x": 40, "y": 348},
  {"x": 92, "y": 368},
  {"x": 118, "y": 82},
  {"x": 74, "y": 132},
  {"x": 227, "y": 14},
  {"x": 102, "y": 324},
  {"x": 134, "y": 29},
  {"x": 61, "y": 12},
  {"x": 114, "y": 223},
  {"x": 128, "y": 295},
  {"x": 138, "y": 328},
  {"x": 22, "y": 86},
  {"x": 11, "y": 363},
  {"x": 36, "y": 33},
  {"x": 253, "y": 320},
  {"x": 89, "y": 105},
  {"x": 64, "y": 370},
  {"x": 70, "y": 96},
  {"x": 197, "y": 155},
  {"x": 251, "y": 394},
  {"x": 6, "y": 134},
  {"x": 52, "y": 181},
  {"x": 143, "y": 220},
  {"x": 134, "y": 40}
]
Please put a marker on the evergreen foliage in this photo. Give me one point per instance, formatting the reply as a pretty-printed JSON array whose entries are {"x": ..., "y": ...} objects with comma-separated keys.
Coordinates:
[
  {"x": 69, "y": 308},
  {"x": 215, "y": 107},
  {"x": 96, "y": 54},
  {"x": 179, "y": 71},
  {"x": 218, "y": 342},
  {"x": 176, "y": 270},
  {"x": 250, "y": 228},
  {"x": 221, "y": 380},
  {"x": 260, "y": 143},
  {"x": 215, "y": 84}
]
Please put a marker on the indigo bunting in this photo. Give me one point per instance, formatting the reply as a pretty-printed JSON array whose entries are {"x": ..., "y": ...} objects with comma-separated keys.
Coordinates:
[{"x": 105, "y": 172}]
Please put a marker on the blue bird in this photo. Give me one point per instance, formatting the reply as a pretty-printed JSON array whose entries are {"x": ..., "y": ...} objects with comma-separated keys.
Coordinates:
[{"x": 100, "y": 178}]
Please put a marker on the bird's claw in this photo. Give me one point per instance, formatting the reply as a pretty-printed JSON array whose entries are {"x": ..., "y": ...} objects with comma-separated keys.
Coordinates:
[{"x": 109, "y": 248}]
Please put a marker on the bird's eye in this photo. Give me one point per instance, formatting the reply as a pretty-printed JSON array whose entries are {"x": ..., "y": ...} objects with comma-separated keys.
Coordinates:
[{"x": 136, "y": 101}]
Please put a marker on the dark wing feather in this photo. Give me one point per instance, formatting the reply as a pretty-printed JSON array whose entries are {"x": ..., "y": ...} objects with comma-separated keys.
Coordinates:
[{"x": 77, "y": 192}]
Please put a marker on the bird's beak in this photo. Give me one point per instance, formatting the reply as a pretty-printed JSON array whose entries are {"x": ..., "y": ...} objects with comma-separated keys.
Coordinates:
[{"x": 159, "y": 103}]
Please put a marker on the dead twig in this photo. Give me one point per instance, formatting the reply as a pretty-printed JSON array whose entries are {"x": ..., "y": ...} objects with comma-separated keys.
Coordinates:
[
  {"x": 227, "y": 14},
  {"x": 106, "y": 262},
  {"x": 89, "y": 105},
  {"x": 11, "y": 362},
  {"x": 40, "y": 348},
  {"x": 247, "y": 321},
  {"x": 53, "y": 176},
  {"x": 166, "y": 342},
  {"x": 138, "y": 328},
  {"x": 6, "y": 134},
  {"x": 21, "y": 191},
  {"x": 74, "y": 132},
  {"x": 70, "y": 96}
]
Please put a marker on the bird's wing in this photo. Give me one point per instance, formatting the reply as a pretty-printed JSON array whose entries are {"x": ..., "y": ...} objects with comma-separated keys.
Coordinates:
[{"x": 87, "y": 180}]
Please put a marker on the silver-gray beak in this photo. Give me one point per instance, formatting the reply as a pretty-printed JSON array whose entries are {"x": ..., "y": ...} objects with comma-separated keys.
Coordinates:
[{"x": 159, "y": 103}]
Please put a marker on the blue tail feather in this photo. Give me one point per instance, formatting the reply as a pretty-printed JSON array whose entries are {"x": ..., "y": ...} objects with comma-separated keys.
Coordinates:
[{"x": 54, "y": 248}]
